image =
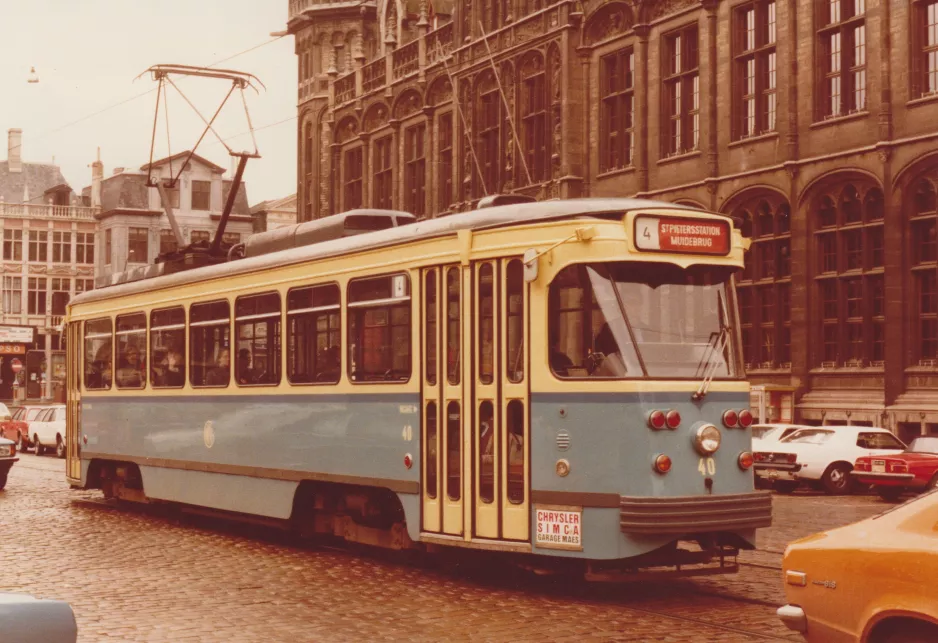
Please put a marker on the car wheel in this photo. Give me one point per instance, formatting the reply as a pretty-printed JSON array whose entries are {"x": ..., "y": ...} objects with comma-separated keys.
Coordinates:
[
  {"x": 933, "y": 483},
  {"x": 890, "y": 494},
  {"x": 20, "y": 443},
  {"x": 910, "y": 633},
  {"x": 836, "y": 479},
  {"x": 59, "y": 448},
  {"x": 785, "y": 486},
  {"x": 3, "y": 479},
  {"x": 39, "y": 448}
]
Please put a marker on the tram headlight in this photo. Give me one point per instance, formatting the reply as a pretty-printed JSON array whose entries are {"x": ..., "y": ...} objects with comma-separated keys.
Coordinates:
[{"x": 707, "y": 439}]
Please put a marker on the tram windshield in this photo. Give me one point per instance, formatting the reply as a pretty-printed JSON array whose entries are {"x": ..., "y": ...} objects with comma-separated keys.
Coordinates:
[{"x": 636, "y": 319}]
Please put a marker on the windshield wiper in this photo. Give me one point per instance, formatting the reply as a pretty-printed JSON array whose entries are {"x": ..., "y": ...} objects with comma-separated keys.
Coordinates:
[{"x": 715, "y": 346}]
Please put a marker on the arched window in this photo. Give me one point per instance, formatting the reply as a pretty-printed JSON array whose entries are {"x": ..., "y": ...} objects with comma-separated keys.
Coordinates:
[
  {"x": 849, "y": 275},
  {"x": 924, "y": 263},
  {"x": 764, "y": 287},
  {"x": 534, "y": 126}
]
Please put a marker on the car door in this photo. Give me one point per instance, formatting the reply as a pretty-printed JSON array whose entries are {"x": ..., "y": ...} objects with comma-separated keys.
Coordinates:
[{"x": 41, "y": 427}]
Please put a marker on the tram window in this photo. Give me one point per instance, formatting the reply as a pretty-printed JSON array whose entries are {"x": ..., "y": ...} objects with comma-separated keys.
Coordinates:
[
  {"x": 168, "y": 348},
  {"x": 314, "y": 335},
  {"x": 432, "y": 447},
  {"x": 379, "y": 329},
  {"x": 453, "y": 459},
  {"x": 487, "y": 452},
  {"x": 131, "y": 351},
  {"x": 98, "y": 338},
  {"x": 257, "y": 328},
  {"x": 430, "y": 314},
  {"x": 486, "y": 321},
  {"x": 453, "y": 325},
  {"x": 516, "y": 452},
  {"x": 515, "y": 321},
  {"x": 209, "y": 344}
]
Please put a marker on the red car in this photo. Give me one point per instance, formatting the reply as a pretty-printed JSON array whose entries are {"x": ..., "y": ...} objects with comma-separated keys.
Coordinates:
[
  {"x": 15, "y": 428},
  {"x": 915, "y": 469}
]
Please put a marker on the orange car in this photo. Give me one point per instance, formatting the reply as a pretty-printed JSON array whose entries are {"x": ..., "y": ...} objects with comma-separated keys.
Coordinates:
[{"x": 872, "y": 581}]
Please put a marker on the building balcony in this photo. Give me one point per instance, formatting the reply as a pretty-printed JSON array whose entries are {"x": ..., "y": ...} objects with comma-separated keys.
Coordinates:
[{"x": 43, "y": 211}]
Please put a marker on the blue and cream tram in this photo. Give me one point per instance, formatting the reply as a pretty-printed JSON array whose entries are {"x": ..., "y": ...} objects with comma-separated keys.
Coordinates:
[{"x": 558, "y": 379}]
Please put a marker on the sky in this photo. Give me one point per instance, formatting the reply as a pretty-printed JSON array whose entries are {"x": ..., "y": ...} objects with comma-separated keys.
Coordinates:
[{"x": 87, "y": 54}]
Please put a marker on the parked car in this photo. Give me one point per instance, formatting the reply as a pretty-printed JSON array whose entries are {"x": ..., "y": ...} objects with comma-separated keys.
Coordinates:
[
  {"x": 7, "y": 458},
  {"x": 48, "y": 430},
  {"x": 30, "y": 414},
  {"x": 867, "y": 581},
  {"x": 824, "y": 455},
  {"x": 26, "y": 619},
  {"x": 773, "y": 467},
  {"x": 15, "y": 429},
  {"x": 915, "y": 469}
]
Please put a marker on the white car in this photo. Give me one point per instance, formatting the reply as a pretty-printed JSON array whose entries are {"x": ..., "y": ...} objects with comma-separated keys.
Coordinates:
[
  {"x": 48, "y": 430},
  {"x": 772, "y": 466},
  {"x": 824, "y": 455}
]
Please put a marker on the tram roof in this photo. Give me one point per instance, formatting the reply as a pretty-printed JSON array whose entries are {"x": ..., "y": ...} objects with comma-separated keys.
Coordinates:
[{"x": 523, "y": 213}]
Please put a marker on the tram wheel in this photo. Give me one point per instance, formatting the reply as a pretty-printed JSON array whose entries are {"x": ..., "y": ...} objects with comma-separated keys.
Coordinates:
[
  {"x": 785, "y": 486},
  {"x": 836, "y": 480}
]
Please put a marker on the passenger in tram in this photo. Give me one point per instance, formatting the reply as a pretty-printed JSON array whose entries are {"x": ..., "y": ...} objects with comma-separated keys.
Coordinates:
[
  {"x": 173, "y": 374},
  {"x": 220, "y": 374},
  {"x": 130, "y": 372},
  {"x": 606, "y": 356},
  {"x": 559, "y": 361},
  {"x": 99, "y": 371}
]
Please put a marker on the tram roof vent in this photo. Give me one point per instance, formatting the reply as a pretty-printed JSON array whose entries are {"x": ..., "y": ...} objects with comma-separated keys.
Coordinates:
[
  {"x": 337, "y": 226},
  {"x": 495, "y": 200}
]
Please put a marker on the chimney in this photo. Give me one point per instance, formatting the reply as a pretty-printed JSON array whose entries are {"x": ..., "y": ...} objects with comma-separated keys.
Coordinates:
[
  {"x": 97, "y": 175},
  {"x": 14, "y": 150}
]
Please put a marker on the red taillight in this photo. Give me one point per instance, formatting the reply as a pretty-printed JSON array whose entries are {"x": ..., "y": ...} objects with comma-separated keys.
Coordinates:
[
  {"x": 792, "y": 458},
  {"x": 662, "y": 464},
  {"x": 745, "y": 460},
  {"x": 673, "y": 419},
  {"x": 898, "y": 467},
  {"x": 408, "y": 461},
  {"x": 12, "y": 450},
  {"x": 745, "y": 419},
  {"x": 730, "y": 419},
  {"x": 758, "y": 457},
  {"x": 657, "y": 420}
]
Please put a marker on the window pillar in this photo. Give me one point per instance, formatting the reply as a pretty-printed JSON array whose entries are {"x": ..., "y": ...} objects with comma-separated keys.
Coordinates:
[
  {"x": 896, "y": 301},
  {"x": 641, "y": 83},
  {"x": 712, "y": 63}
]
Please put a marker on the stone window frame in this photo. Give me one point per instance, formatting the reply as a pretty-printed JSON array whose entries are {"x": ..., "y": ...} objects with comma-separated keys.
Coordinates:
[
  {"x": 415, "y": 168},
  {"x": 839, "y": 26},
  {"x": 680, "y": 85},
  {"x": 849, "y": 274},
  {"x": 764, "y": 286},
  {"x": 382, "y": 166},
  {"x": 755, "y": 69},
  {"x": 445, "y": 157},
  {"x": 617, "y": 110},
  {"x": 923, "y": 45},
  {"x": 534, "y": 106},
  {"x": 353, "y": 166},
  {"x": 923, "y": 269}
]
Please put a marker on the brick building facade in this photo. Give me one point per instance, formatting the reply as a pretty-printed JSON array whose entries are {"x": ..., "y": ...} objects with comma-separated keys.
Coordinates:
[{"x": 815, "y": 121}]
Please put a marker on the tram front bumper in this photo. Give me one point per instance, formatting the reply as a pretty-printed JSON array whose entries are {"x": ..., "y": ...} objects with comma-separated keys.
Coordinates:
[{"x": 679, "y": 515}]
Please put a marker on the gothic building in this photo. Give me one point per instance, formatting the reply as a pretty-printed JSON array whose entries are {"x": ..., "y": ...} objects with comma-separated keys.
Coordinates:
[{"x": 814, "y": 121}]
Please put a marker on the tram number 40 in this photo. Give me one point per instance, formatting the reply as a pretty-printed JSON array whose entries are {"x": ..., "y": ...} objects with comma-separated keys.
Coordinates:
[{"x": 707, "y": 466}]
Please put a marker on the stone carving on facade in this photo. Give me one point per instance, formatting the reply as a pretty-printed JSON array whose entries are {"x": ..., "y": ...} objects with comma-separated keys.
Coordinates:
[
  {"x": 325, "y": 142},
  {"x": 609, "y": 21},
  {"x": 376, "y": 116},
  {"x": 12, "y": 267},
  {"x": 529, "y": 29},
  {"x": 390, "y": 25},
  {"x": 555, "y": 65},
  {"x": 441, "y": 91},
  {"x": 347, "y": 130},
  {"x": 38, "y": 269},
  {"x": 407, "y": 105},
  {"x": 657, "y": 8},
  {"x": 467, "y": 20}
]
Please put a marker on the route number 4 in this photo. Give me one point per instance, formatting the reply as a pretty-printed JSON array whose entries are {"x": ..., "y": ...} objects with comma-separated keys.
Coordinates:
[{"x": 707, "y": 466}]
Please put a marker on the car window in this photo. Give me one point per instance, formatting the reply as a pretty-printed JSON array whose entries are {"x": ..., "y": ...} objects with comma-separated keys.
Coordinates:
[
  {"x": 788, "y": 432},
  {"x": 878, "y": 441},
  {"x": 19, "y": 414},
  {"x": 762, "y": 431},
  {"x": 810, "y": 436},
  {"x": 59, "y": 415},
  {"x": 33, "y": 414}
]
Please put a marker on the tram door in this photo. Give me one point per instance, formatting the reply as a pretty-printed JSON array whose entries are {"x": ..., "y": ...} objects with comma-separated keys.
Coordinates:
[
  {"x": 73, "y": 400},
  {"x": 475, "y": 401}
]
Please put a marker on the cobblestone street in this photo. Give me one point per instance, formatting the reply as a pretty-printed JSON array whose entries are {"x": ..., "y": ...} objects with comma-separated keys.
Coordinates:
[{"x": 139, "y": 575}]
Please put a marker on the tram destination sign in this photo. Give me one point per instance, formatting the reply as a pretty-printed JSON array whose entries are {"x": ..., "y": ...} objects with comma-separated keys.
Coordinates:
[{"x": 682, "y": 235}]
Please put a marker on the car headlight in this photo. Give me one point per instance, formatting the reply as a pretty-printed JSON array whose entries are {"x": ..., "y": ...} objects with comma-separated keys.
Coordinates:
[
  {"x": 6, "y": 451},
  {"x": 707, "y": 439}
]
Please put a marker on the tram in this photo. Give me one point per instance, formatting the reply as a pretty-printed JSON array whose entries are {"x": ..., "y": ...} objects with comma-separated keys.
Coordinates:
[{"x": 561, "y": 381}]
